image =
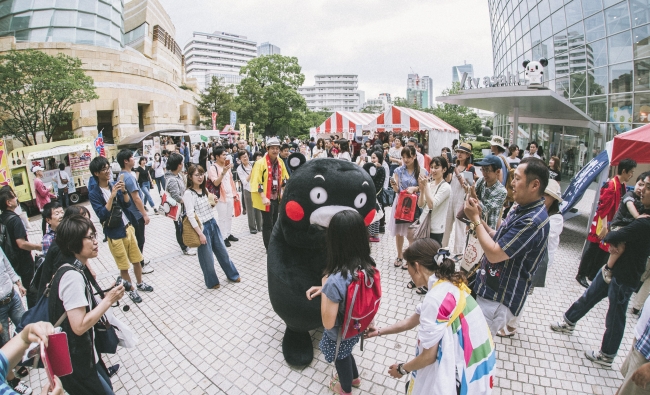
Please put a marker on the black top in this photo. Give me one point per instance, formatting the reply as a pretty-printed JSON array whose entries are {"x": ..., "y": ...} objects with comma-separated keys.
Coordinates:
[
  {"x": 16, "y": 230},
  {"x": 631, "y": 264},
  {"x": 143, "y": 175},
  {"x": 554, "y": 175},
  {"x": 623, "y": 216}
]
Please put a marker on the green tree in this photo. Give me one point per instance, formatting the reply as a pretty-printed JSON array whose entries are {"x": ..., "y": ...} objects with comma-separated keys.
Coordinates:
[
  {"x": 268, "y": 95},
  {"x": 218, "y": 98},
  {"x": 402, "y": 102},
  {"x": 37, "y": 91},
  {"x": 460, "y": 117},
  {"x": 372, "y": 109}
]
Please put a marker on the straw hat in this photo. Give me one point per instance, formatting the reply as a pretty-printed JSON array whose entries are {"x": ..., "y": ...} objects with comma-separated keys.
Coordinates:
[
  {"x": 553, "y": 189},
  {"x": 465, "y": 147}
]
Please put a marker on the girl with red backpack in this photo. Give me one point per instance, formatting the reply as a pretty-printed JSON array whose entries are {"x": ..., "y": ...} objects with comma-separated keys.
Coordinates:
[{"x": 348, "y": 254}]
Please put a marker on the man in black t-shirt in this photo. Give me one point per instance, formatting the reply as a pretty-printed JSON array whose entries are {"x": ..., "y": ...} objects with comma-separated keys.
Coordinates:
[{"x": 20, "y": 250}]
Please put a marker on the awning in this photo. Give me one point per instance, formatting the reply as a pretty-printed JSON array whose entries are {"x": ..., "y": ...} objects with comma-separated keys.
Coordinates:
[
  {"x": 60, "y": 150},
  {"x": 345, "y": 121},
  {"x": 401, "y": 119},
  {"x": 529, "y": 104},
  {"x": 634, "y": 144},
  {"x": 136, "y": 138}
]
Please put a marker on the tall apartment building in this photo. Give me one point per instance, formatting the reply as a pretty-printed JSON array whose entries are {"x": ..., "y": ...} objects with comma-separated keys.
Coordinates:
[
  {"x": 389, "y": 100},
  {"x": 268, "y": 49},
  {"x": 217, "y": 54},
  {"x": 334, "y": 92},
  {"x": 457, "y": 72},
  {"x": 419, "y": 90}
]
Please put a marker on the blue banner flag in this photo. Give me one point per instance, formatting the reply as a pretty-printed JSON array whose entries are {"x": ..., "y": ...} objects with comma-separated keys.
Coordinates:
[
  {"x": 233, "y": 119},
  {"x": 582, "y": 180}
]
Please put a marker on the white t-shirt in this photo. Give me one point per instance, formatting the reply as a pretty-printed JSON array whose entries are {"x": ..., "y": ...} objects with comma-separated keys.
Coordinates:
[
  {"x": 345, "y": 156},
  {"x": 227, "y": 187},
  {"x": 107, "y": 196},
  {"x": 159, "y": 169},
  {"x": 195, "y": 156},
  {"x": 72, "y": 292},
  {"x": 244, "y": 172},
  {"x": 61, "y": 174}
]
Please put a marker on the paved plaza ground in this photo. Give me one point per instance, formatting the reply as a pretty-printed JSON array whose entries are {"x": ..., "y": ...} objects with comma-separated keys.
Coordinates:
[{"x": 199, "y": 341}]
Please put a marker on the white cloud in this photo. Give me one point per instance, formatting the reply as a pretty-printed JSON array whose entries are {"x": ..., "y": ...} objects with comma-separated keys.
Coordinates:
[{"x": 378, "y": 40}]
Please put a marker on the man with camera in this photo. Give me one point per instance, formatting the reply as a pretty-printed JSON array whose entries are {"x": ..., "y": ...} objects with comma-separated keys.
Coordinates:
[{"x": 109, "y": 201}]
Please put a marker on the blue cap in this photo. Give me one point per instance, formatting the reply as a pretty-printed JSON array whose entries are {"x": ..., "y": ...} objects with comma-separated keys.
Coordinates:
[{"x": 490, "y": 160}]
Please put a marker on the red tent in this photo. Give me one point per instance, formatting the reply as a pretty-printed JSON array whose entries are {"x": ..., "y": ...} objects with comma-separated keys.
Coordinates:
[{"x": 634, "y": 144}]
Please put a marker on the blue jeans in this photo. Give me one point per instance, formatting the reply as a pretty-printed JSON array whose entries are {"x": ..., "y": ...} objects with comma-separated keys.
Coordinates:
[
  {"x": 161, "y": 183},
  {"x": 13, "y": 310},
  {"x": 619, "y": 296},
  {"x": 216, "y": 246},
  {"x": 145, "y": 187},
  {"x": 105, "y": 380}
]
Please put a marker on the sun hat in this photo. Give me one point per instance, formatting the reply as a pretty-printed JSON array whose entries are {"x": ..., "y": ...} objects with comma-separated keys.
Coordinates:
[
  {"x": 273, "y": 141},
  {"x": 553, "y": 189},
  {"x": 37, "y": 168},
  {"x": 465, "y": 147},
  {"x": 498, "y": 141}
]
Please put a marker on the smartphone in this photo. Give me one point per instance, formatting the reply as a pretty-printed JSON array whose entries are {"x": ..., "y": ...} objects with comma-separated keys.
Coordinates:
[
  {"x": 122, "y": 177},
  {"x": 469, "y": 177}
]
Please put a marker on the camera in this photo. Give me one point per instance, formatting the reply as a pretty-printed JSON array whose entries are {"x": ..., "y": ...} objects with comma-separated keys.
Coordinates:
[{"x": 127, "y": 285}]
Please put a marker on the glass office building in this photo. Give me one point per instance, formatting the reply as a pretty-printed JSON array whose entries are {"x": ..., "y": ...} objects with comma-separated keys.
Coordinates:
[
  {"x": 91, "y": 22},
  {"x": 598, "y": 58}
]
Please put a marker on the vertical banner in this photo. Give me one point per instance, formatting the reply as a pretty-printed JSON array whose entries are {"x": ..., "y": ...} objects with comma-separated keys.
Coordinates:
[
  {"x": 242, "y": 131},
  {"x": 147, "y": 149},
  {"x": 156, "y": 145},
  {"x": 5, "y": 177},
  {"x": 214, "y": 121},
  {"x": 99, "y": 145},
  {"x": 583, "y": 180},
  {"x": 233, "y": 119}
]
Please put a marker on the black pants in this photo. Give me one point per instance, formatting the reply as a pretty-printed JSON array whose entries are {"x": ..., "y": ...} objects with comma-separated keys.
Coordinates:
[
  {"x": 139, "y": 233},
  {"x": 268, "y": 221},
  {"x": 593, "y": 258},
  {"x": 25, "y": 271},
  {"x": 347, "y": 370},
  {"x": 179, "y": 234},
  {"x": 437, "y": 237}
]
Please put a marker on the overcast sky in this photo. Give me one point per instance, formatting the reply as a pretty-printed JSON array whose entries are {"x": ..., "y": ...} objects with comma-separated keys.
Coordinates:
[{"x": 381, "y": 41}]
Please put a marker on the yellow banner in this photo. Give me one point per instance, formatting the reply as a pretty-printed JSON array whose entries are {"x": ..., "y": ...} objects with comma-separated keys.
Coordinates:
[
  {"x": 5, "y": 176},
  {"x": 242, "y": 131}
]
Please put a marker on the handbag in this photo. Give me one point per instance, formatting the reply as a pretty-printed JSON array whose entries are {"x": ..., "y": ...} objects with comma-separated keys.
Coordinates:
[
  {"x": 64, "y": 181},
  {"x": 386, "y": 197},
  {"x": 406, "y": 207},
  {"x": 213, "y": 189},
  {"x": 472, "y": 255},
  {"x": 106, "y": 339},
  {"x": 169, "y": 205},
  {"x": 115, "y": 218},
  {"x": 190, "y": 237},
  {"x": 237, "y": 207},
  {"x": 420, "y": 229}
]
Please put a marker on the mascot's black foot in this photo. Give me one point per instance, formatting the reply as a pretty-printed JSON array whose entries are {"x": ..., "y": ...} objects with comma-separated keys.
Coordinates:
[{"x": 297, "y": 348}]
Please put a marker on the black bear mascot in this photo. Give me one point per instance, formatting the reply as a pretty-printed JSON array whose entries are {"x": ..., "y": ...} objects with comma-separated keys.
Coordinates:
[{"x": 297, "y": 255}]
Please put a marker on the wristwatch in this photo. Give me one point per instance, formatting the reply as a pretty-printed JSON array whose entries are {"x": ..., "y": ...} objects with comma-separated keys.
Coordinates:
[
  {"x": 401, "y": 370},
  {"x": 474, "y": 225}
]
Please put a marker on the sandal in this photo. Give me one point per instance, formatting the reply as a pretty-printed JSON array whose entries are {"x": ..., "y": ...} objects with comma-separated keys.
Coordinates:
[
  {"x": 422, "y": 291},
  {"x": 335, "y": 386},
  {"x": 398, "y": 262},
  {"x": 405, "y": 266},
  {"x": 504, "y": 332},
  {"x": 410, "y": 285}
]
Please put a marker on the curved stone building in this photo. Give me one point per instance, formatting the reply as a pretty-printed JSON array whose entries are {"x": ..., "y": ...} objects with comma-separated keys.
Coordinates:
[
  {"x": 599, "y": 59},
  {"x": 128, "y": 49}
]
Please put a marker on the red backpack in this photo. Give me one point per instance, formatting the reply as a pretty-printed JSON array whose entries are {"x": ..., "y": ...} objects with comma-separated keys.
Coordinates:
[{"x": 361, "y": 304}]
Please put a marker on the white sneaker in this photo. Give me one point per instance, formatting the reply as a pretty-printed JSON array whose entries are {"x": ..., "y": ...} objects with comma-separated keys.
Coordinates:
[
  {"x": 189, "y": 251},
  {"x": 22, "y": 388}
]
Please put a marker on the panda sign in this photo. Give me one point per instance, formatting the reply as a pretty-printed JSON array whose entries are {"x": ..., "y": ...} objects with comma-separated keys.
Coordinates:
[{"x": 535, "y": 71}]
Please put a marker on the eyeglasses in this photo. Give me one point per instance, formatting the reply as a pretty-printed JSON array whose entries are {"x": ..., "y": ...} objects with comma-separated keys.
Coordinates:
[
  {"x": 92, "y": 237},
  {"x": 106, "y": 169},
  {"x": 486, "y": 170}
]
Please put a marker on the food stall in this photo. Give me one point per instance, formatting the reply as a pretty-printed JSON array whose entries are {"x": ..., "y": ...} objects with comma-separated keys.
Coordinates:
[{"x": 76, "y": 154}]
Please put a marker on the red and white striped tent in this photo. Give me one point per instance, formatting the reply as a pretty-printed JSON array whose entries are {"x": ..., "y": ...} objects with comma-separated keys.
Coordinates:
[
  {"x": 401, "y": 119},
  {"x": 345, "y": 122}
]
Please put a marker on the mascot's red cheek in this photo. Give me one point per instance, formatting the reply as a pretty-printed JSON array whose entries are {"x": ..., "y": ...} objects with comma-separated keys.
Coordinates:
[
  {"x": 294, "y": 211},
  {"x": 369, "y": 217}
]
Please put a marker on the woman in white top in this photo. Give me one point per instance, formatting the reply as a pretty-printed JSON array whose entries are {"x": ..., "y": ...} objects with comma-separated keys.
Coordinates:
[
  {"x": 395, "y": 156},
  {"x": 195, "y": 201},
  {"x": 62, "y": 181},
  {"x": 513, "y": 156},
  {"x": 435, "y": 196},
  {"x": 159, "y": 172},
  {"x": 220, "y": 175},
  {"x": 196, "y": 154},
  {"x": 344, "y": 153},
  {"x": 552, "y": 200},
  {"x": 244, "y": 173},
  {"x": 363, "y": 157},
  {"x": 319, "y": 150}
]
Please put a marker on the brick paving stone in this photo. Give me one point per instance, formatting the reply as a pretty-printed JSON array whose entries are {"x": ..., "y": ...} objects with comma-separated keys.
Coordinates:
[{"x": 228, "y": 341}]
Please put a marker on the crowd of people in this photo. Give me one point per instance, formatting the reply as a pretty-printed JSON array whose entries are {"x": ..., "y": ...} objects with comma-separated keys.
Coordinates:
[{"x": 506, "y": 204}]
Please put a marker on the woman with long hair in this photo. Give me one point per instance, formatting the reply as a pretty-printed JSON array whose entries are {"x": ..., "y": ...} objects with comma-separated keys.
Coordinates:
[
  {"x": 458, "y": 184},
  {"x": 554, "y": 169},
  {"x": 405, "y": 178},
  {"x": 203, "y": 158},
  {"x": 347, "y": 251},
  {"x": 344, "y": 152},
  {"x": 395, "y": 156},
  {"x": 455, "y": 352},
  {"x": 220, "y": 175},
  {"x": 159, "y": 165},
  {"x": 195, "y": 201},
  {"x": 319, "y": 150}
]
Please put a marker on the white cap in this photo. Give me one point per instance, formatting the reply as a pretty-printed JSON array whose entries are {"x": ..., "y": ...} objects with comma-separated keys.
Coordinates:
[{"x": 37, "y": 168}]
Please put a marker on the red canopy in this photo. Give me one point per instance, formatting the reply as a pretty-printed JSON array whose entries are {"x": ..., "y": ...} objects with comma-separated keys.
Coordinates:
[{"x": 634, "y": 144}]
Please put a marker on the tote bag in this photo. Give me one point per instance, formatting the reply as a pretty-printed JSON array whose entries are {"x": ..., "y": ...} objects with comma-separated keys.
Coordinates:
[
  {"x": 190, "y": 237},
  {"x": 406, "y": 207}
]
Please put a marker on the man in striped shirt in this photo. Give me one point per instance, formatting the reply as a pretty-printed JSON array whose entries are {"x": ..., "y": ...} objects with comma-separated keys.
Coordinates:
[
  {"x": 636, "y": 368},
  {"x": 512, "y": 252}
]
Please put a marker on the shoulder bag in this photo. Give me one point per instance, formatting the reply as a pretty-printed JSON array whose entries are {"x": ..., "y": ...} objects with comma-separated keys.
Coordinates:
[
  {"x": 213, "y": 189},
  {"x": 421, "y": 229},
  {"x": 190, "y": 237},
  {"x": 64, "y": 181},
  {"x": 115, "y": 218},
  {"x": 168, "y": 205}
]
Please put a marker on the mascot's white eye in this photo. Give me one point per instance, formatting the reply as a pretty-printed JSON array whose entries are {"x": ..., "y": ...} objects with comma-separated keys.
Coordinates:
[
  {"x": 373, "y": 171},
  {"x": 360, "y": 200},
  {"x": 295, "y": 162},
  {"x": 318, "y": 195}
]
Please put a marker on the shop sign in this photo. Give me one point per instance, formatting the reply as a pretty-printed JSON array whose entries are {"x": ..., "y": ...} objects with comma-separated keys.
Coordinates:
[
  {"x": 5, "y": 179},
  {"x": 508, "y": 79}
]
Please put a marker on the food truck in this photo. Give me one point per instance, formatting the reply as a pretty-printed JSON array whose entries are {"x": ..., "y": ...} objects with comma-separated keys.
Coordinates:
[{"x": 76, "y": 154}]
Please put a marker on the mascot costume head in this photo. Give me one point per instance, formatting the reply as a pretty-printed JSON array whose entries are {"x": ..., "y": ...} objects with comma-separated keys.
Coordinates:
[
  {"x": 535, "y": 71},
  {"x": 297, "y": 254}
]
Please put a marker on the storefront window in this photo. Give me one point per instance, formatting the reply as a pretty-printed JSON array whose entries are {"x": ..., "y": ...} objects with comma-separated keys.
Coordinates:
[
  {"x": 617, "y": 18},
  {"x": 642, "y": 73},
  {"x": 642, "y": 107},
  {"x": 559, "y": 22},
  {"x": 640, "y": 12},
  {"x": 597, "y": 81},
  {"x": 595, "y": 27},
  {"x": 641, "y": 42},
  {"x": 620, "y": 77},
  {"x": 620, "y": 47},
  {"x": 573, "y": 12},
  {"x": 598, "y": 52},
  {"x": 591, "y": 6},
  {"x": 597, "y": 108},
  {"x": 620, "y": 112}
]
